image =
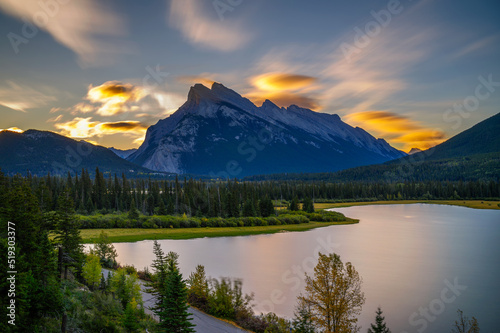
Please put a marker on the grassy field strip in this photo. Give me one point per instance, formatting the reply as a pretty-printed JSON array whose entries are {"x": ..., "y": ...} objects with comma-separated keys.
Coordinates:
[
  {"x": 118, "y": 235},
  {"x": 477, "y": 204}
]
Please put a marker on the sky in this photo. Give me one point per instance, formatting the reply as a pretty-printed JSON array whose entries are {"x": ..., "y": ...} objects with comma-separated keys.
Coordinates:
[{"x": 411, "y": 72}]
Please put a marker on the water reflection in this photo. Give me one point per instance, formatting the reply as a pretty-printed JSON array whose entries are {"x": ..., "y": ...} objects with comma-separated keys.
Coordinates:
[{"x": 405, "y": 254}]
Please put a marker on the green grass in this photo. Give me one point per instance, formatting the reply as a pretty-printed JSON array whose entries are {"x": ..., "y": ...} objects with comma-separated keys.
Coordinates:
[
  {"x": 137, "y": 234},
  {"x": 477, "y": 204}
]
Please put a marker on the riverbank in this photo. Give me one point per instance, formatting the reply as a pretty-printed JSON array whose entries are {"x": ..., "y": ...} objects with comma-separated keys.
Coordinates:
[
  {"x": 121, "y": 235},
  {"x": 476, "y": 204}
]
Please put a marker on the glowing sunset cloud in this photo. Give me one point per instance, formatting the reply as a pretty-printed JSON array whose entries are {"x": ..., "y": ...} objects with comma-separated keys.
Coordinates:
[{"x": 400, "y": 131}]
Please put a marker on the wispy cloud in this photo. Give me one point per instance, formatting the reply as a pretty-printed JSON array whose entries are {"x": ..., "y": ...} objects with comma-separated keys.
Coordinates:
[
  {"x": 284, "y": 89},
  {"x": 191, "y": 19},
  {"x": 376, "y": 72},
  {"x": 477, "y": 45},
  {"x": 21, "y": 97},
  {"x": 84, "y": 26},
  {"x": 402, "y": 131}
]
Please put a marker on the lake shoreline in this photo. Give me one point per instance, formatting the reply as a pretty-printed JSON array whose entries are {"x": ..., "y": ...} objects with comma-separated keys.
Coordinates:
[{"x": 127, "y": 235}]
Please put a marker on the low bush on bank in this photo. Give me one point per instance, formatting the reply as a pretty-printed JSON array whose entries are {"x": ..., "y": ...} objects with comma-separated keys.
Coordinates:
[{"x": 285, "y": 217}]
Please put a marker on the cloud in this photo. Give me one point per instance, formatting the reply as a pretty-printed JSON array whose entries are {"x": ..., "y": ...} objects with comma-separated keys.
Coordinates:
[
  {"x": 128, "y": 125},
  {"x": 93, "y": 131},
  {"x": 83, "y": 108},
  {"x": 477, "y": 45},
  {"x": 400, "y": 131},
  {"x": 84, "y": 26},
  {"x": 113, "y": 96},
  {"x": 284, "y": 99},
  {"x": 12, "y": 129},
  {"x": 78, "y": 128},
  {"x": 189, "y": 17},
  {"x": 21, "y": 97},
  {"x": 284, "y": 89},
  {"x": 55, "y": 119},
  {"x": 282, "y": 81}
]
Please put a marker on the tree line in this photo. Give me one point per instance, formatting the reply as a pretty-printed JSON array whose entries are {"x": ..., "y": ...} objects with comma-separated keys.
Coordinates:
[{"x": 230, "y": 198}]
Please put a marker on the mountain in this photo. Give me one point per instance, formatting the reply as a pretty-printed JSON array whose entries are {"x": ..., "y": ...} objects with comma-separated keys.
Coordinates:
[
  {"x": 414, "y": 151},
  {"x": 217, "y": 132},
  {"x": 473, "y": 154},
  {"x": 123, "y": 153},
  {"x": 41, "y": 152},
  {"x": 481, "y": 138}
]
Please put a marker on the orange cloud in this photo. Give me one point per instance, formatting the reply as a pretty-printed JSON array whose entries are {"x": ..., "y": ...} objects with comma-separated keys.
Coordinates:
[
  {"x": 93, "y": 131},
  {"x": 12, "y": 129},
  {"x": 400, "y": 131},
  {"x": 113, "y": 95},
  {"x": 282, "y": 81},
  {"x": 284, "y": 99},
  {"x": 283, "y": 89},
  {"x": 77, "y": 128}
]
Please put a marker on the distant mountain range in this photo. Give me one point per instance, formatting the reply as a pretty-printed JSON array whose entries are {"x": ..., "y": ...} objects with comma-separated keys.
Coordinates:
[
  {"x": 40, "y": 152},
  {"x": 473, "y": 154},
  {"x": 218, "y": 132}
]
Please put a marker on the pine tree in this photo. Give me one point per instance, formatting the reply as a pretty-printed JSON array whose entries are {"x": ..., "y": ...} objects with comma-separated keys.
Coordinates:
[
  {"x": 105, "y": 250},
  {"x": 170, "y": 292},
  {"x": 308, "y": 205},
  {"x": 248, "y": 208},
  {"x": 133, "y": 213},
  {"x": 379, "y": 326},
  {"x": 266, "y": 207},
  {"x": 161, "y": 208},
  {"x": 130, "y": 318},
  {"x": 302, "y": 322},
  {"x": 68, "y": 233},
  {"x": 294, "y": 204},
  {"x": 175, "y": 317}
]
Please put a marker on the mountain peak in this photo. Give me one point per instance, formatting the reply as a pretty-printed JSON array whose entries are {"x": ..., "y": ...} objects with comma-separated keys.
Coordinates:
[
  {"x": 269, "y": 105},
  {"x": 414, "y": 150}
]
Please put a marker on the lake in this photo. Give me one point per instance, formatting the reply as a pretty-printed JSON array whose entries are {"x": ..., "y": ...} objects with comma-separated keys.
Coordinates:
[{"x": 419, "y": 262}]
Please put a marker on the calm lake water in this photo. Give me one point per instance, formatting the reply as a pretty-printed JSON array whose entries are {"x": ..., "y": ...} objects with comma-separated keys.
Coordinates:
[{"x": 419, "y": 262}]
